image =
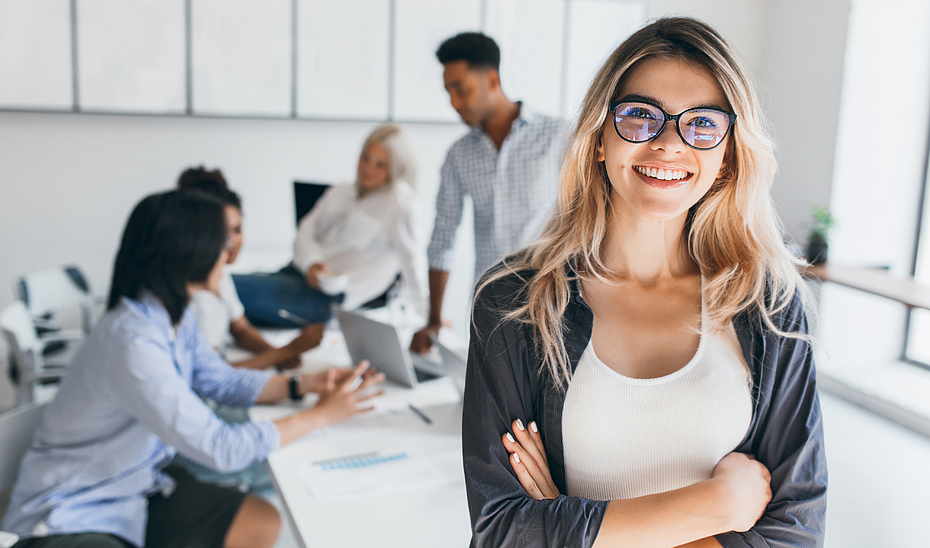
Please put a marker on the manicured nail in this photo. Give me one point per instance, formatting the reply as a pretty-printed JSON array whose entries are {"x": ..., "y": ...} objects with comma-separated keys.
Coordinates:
[
  {"x": 533, "y": 427},
  {"x": 510, "y": 438},
  {"x": 520, "y": 425},
  {"x": 516, "y": 457}
]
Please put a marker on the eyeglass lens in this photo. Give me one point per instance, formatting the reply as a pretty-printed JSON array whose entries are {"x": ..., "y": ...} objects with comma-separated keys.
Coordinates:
[{"x": 699, "y": 127}]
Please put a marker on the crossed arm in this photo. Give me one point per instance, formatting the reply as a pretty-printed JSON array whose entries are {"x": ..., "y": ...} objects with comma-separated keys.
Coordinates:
[{"x": 732, "y": 500}]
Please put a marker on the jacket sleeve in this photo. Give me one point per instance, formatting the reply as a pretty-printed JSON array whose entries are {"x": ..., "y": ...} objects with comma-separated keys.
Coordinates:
[
  {"x": 502, "y": 385},
  {"x": 788, "y": 440}
]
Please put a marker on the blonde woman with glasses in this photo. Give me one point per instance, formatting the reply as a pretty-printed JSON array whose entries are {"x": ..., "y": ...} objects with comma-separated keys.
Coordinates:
[{"x": 642, "y": 374}]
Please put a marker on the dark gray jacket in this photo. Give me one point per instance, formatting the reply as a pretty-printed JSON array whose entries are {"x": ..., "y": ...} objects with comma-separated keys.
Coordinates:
[{"x": 504, "y": 383}]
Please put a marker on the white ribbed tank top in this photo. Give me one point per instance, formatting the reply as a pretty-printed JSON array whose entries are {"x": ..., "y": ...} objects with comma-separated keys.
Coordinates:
[{"x": 625, "y": 437}]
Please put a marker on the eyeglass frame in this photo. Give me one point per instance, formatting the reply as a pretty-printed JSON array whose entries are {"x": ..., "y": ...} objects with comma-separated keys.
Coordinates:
[{"x": 731, "y": 116}]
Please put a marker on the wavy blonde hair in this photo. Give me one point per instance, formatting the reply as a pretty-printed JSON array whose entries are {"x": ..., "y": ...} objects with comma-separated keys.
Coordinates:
[{"x": 733, "y": 233}]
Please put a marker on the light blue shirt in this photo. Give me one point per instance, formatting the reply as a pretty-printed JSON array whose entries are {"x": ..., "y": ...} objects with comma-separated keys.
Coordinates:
[
  {"x": 129, "y": 402},
  {"x": 512, "y": 189}
]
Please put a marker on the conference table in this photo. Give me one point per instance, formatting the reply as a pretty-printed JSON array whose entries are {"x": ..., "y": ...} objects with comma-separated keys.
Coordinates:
[{"x": 389, "y": 477}]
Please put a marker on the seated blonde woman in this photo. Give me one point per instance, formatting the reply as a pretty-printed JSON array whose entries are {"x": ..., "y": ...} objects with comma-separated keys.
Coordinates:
[{"x": 362, "y": 233}]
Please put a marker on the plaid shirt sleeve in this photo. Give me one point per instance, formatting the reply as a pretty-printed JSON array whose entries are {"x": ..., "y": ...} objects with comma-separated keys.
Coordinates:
[{"x": 449, "y": 205}]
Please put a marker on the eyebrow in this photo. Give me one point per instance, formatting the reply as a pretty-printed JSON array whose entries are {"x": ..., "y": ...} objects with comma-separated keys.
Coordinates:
[{"x": 654, "y": 101}]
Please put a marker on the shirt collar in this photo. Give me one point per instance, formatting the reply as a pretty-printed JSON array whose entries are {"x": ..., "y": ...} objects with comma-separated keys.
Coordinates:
[{"x": 526, "y": 116}]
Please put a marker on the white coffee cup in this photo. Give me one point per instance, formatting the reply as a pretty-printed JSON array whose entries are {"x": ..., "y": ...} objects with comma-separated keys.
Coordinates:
[{"x": 333, "y": 284}]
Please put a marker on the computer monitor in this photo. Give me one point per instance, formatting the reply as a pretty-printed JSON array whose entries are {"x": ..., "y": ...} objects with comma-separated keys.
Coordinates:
[{"x": 305, "y": 196}]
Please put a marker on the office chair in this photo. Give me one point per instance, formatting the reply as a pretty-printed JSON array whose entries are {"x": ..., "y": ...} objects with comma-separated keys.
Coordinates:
[
  {"x": 16, "y": 430},
  {"x": 28, "y": 364},
  {"x": 305, "y": 197}
]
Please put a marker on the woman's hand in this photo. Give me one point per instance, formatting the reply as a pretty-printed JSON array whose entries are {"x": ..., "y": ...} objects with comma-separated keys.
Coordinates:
[
  {"x": 312, "y": 274},
  {"x": 317, "y": 381},
  {"x": 747, "y": 489},
  {"x": 339, "y": 399},
  {"x": 529, "y": 462},
  {"x": 341, "y": 391}
]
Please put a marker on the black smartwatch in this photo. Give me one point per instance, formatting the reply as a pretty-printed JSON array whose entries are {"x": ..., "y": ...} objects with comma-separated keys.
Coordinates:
[{"x": 293, "y": 388}]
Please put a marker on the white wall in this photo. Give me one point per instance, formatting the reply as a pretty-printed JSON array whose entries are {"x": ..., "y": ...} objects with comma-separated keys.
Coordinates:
[
  {"x": 68, "y": 182},
  {"x": 802, "y": 74}
]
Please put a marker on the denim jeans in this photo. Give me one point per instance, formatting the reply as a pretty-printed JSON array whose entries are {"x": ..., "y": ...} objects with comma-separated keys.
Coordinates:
[{"x": 264, "y": 294}]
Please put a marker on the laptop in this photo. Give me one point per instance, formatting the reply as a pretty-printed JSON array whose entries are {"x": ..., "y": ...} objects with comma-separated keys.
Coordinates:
[
  {"x": 306, "y": 196},
  {"x": 382, "y": 346}
]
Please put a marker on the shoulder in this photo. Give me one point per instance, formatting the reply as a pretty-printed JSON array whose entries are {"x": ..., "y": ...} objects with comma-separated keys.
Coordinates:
[
  {"x": 340, "y": 190},
  {"x": 130, "y": 325},
  {"x": 545, "y": 124},
  {"x": 403, "y": 193},
  {"x": 789, "y": 317},
  {"x": 503, "y": 287},
  {"x": 464, "y": 144}
]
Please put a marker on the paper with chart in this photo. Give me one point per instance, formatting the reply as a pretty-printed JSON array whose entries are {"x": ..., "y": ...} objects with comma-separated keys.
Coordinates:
[{"x": 366, "y": 474}]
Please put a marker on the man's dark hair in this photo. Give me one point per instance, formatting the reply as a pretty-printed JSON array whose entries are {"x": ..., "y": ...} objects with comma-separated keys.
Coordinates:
[
  {"x": 210, "y": 182},
  {"x": 171, "y": 239},
  {"x": 479, "y": 50}
]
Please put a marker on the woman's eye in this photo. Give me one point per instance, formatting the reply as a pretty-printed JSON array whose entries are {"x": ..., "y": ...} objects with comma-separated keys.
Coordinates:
[
  {"x": 637, "y": 112},
  {"x": 703, "y": 122}
]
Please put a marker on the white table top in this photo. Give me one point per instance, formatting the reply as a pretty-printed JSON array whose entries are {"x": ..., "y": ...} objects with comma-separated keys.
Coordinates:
[{"x": 427, "y": 509}]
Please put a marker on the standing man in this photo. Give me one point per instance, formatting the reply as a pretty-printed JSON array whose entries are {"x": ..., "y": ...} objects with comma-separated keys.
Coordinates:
[{"x": 508, "y": 163}]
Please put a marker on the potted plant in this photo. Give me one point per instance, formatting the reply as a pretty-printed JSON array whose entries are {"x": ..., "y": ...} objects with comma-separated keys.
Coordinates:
[{"x": 818, "y": 242}]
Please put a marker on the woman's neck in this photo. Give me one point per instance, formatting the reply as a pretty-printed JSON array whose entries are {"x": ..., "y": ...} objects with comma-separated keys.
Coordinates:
[{"x": 647, "y": 251}]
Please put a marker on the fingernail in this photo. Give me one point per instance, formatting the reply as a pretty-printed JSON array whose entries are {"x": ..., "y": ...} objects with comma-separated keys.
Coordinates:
[
  {"x": 510, "y": 438},
  {"x": 520, "y": 425},
  {"x": 516, "y": 457},
  {"x": 533, "y": 427}
]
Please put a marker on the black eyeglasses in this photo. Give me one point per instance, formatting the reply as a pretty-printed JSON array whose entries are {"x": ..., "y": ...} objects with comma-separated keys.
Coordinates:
[{"x": 702, "y": 128}]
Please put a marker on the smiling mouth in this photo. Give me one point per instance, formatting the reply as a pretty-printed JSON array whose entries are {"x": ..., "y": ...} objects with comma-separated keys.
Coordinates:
[{"x": 663, "y": 174}]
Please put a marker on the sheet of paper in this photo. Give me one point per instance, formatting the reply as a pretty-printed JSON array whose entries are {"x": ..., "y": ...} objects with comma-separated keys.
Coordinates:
[{"x": 368, "y": 474}]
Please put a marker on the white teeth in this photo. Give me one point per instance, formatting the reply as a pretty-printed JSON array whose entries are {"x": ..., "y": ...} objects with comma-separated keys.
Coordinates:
[{"x": 662, "y": 174}]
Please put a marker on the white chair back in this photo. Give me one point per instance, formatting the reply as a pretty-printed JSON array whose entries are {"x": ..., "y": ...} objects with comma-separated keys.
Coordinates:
[{"x": 18, "y": 328}]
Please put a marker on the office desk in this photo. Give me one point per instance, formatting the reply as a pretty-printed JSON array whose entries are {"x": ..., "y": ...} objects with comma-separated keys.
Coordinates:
[{"x": 428, "y": 511}]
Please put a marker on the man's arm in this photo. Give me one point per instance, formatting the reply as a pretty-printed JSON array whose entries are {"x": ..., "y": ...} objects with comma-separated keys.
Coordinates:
[
  {"x": 450, "y": 201},
  {"x": 422, "y": 339},
  {"x": 288, "y": 356}
]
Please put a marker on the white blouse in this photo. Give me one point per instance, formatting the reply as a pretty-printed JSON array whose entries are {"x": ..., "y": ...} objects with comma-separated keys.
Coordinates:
[
  {"x": 369, "y": 239},
  {"x": 626, "y": 437},
  {"x": 216, "y": 312}
]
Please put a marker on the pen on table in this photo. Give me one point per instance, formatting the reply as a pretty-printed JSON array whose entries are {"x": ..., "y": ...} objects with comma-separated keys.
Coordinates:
[
  {"x": 420, "y": 414},
  {"x": 292, "y": 317}
]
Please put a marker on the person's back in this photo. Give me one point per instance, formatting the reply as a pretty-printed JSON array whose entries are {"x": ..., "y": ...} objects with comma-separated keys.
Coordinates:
[{"x": 100, "y": 411}]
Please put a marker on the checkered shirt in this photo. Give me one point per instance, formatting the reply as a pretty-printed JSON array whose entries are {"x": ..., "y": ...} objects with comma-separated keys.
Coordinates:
[{"x": 512, "y": 190}]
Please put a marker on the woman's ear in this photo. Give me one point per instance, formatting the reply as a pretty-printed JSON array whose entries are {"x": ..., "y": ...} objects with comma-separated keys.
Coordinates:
[{"x": 600, "y": 150}]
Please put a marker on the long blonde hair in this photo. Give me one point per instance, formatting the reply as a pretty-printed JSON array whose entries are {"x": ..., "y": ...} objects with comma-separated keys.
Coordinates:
[{"x": 733, "y": 233}]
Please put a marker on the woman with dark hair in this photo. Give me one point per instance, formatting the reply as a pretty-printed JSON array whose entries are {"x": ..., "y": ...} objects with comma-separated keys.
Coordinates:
[
  {"x": 642, "y": 374},
  {"x": 220, "y": 313},
  {"x": 97, "y": 472}
]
